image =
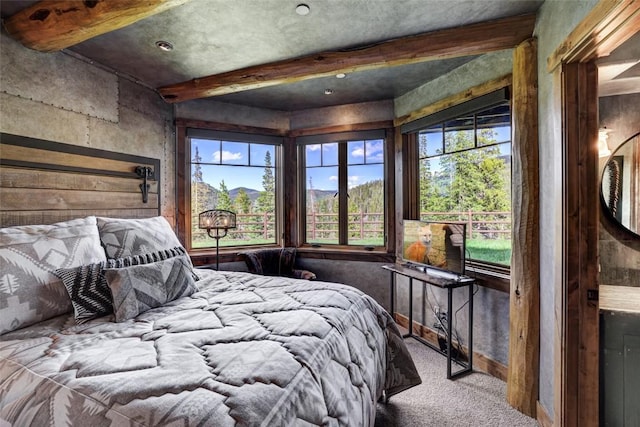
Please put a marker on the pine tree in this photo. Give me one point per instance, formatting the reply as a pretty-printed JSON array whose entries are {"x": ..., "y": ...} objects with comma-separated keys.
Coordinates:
[
  {"x": 469, "y": 180},
  {"x": 243, "y": 202},
  {"x": 224, "y": 199},
  {"x": 266, "y": 200},
  {"x": 203, "y": 197}
]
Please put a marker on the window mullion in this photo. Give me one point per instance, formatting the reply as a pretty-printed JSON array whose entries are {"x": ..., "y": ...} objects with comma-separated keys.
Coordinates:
[{"x": 343, "y": 188}]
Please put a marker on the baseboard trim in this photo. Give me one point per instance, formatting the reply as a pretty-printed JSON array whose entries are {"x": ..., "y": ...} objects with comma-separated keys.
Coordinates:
[
  {"x": 543, "y": 418},
  {"x": 480, "y": 361}
]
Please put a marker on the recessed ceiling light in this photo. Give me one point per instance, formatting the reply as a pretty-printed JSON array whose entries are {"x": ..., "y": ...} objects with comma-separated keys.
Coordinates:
[
  {"x": 328, "y": 91},
  {"x": 341, "y": 75},
  {"x": 302, "y": 9},
  {"x": 164, "y": 45}
]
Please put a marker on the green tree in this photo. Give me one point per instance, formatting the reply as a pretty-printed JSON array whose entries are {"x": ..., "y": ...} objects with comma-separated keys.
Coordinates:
[
  {"x": 431, "y": 197},
  {"x": 203, "y": 197},
  {"x": 224, "y": 199},
  {"x": 266, "y": 199},
  {"x": 475, "y": 180},
  {"x": 243, "y": 202}
]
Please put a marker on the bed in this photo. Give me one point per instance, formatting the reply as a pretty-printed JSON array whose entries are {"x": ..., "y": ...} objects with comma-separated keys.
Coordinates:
[{"x": 105, "y": 321}]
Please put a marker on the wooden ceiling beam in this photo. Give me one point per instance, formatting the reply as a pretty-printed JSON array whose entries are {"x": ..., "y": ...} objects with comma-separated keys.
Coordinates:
[
  {"x": 52, "y": 25},
  {"x": 472, "y": 39}
]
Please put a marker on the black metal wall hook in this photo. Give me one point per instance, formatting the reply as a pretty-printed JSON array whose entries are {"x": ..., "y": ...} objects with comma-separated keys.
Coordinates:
[{"x": 144, "y": 172}]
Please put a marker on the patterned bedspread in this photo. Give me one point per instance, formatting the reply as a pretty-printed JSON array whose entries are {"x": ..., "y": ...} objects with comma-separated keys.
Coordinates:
[{"x": 245, "y": 350}]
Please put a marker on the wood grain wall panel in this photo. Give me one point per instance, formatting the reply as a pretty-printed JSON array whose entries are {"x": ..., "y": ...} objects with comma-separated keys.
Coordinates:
[
  {"x": 42, "y": 182},
  {"x": 31, "y": 199},
  {"x": 24, "y": 156},
  {"x": 29, "y": 178},
  {"x": 13, "y": 218}
]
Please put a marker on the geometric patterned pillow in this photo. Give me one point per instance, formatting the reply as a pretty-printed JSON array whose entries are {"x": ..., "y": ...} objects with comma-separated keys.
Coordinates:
[
  {"x": 128, "y": 237},
  {"x": 139, "y": 288},
  {"x": 88, "y": 289},
  {"x": 128, "y": 261},
  {"x": 149, "y": 258},
  {"x": 29, "y": 255}
]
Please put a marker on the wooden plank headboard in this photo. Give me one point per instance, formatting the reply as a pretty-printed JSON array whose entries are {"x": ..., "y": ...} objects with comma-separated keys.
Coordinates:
[{"x": 42, "y": 182}]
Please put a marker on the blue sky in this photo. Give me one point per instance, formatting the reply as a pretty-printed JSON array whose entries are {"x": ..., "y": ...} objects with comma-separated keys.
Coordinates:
[
  {"x": 364, "y": 163},
  {"x": 233, "y": 154},
  {"x": 364, "y": 158}
]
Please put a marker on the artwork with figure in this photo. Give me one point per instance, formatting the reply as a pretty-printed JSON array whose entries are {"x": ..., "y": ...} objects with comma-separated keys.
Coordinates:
[
  {"x": 426, "y": 248},
  {"x": 436, "y": 244}
]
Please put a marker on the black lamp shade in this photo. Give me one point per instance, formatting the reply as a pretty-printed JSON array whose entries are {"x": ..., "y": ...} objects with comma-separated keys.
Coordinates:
[{"x": 217, "y": 219}]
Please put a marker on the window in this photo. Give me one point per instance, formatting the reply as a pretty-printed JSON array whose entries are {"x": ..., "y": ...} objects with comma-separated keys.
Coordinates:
[
  {"x": 344, "y": 197},
  {"x": 464, "y": 169},
  {"x": 238, "y": 173}
]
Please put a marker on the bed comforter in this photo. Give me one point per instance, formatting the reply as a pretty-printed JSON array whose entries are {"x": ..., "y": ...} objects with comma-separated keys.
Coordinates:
[{"x": 244, "y": 350}]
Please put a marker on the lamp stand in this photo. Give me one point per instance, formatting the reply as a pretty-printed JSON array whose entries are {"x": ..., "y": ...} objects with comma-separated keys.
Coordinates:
[
  {"x": 221, "y": 221},
  {"x": 217, "y": 236}
]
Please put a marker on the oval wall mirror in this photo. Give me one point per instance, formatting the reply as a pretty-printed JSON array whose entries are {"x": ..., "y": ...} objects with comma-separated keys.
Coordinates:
[{"x": 620, "y": 185}]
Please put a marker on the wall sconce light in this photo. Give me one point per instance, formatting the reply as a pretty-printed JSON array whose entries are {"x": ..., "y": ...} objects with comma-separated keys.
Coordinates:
[
  {"x": 603, "y": 147},
  {"x": 220, "y": 221}
]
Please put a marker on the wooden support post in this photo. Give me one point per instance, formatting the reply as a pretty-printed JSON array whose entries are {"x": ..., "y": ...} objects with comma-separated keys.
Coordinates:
[{"x": 524, "y": 327}]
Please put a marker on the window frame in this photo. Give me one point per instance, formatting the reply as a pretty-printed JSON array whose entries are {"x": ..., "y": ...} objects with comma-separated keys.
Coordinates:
[
  {"x": 411, "y": 159},
  {"x": 343, "y": 139},
  {"x": 186, "y": 130}
]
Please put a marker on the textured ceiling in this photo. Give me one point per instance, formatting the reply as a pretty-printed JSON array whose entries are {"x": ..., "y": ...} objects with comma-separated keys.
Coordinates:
[{"x": 215, "y": 36}]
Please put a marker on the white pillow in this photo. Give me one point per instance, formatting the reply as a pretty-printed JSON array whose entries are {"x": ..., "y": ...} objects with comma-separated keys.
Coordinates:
[{"x": 29, "y": 255}]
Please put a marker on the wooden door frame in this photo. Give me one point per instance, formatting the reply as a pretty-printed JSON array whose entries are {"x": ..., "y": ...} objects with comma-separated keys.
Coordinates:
[
  {"x": 579, "y": 349},
  {"x": 609, "y": 24}
]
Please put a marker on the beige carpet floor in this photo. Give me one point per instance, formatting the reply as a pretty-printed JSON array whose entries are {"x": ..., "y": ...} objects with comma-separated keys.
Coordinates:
[{"x": 475, "y": 400}]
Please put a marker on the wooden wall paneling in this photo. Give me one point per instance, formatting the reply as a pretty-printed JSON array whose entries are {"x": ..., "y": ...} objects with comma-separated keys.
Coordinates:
[
  {"x": 36, "y": 153},
  {"x": 25, "y": 199},
  {"x": 13, "y": 218},
  {"x": 28, "y": 178},
  {"x": 43, "y": 182},
  {"x": 578, "y": 404},
  {"x": 524, "y": 325},
  {"x": 25, "y": 156}
]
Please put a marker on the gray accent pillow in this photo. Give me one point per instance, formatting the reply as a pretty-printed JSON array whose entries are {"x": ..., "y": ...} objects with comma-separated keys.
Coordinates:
[
  {"x": 30, "y": 292},
  {"x": 88, "y": 288},
  {"x": 149, "y": 258},
  {"x": 129, "y": 237},
  {"x": 139, "y": 288}
]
